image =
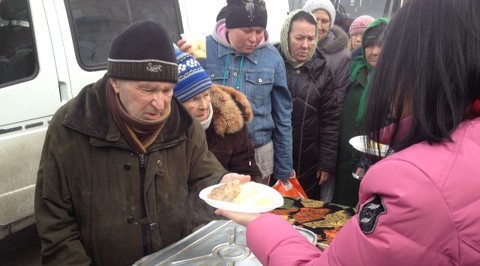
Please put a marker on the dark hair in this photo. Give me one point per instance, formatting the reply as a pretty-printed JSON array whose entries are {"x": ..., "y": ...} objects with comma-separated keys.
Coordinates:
[{"x": 423, "y": 68}]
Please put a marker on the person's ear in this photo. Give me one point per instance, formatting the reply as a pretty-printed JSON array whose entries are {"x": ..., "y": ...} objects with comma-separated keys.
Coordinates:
[{"x": 115, "y": 84}]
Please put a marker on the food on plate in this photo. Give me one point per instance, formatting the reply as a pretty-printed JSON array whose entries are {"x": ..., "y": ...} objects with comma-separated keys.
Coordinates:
[
  {"x": 248, "y": 193},
  {"x": 337, "y": 219},
  {"x": 226, "y": 192},
  {"x": 310, "y": 214},
  {"x": 252, "y": 193},
  {"x": 330, "y": 234}
]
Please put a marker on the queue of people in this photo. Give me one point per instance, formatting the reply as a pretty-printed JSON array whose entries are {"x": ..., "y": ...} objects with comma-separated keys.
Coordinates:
[{"x": 138, "y": 145}]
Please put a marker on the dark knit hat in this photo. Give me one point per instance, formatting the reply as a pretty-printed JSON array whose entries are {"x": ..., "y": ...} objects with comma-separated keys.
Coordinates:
[
  {"x": 373, "y": 35},
  {"x": 222, "y": 13},
  {"x": 246, "y": 13},
  {"x": 192, "y": 78},
  {"x": 143, "y": 51}
]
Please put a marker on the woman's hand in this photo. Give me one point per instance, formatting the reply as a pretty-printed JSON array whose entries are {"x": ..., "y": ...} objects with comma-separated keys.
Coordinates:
[
  {"x": 184, "y": 46},
  {"x": 322, "y": 176},
  {"x": 232, "y": 176},
  {"x": 238, "y": 217}
]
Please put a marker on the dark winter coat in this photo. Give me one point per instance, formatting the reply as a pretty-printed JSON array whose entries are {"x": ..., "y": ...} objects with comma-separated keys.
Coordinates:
[
  {"x": 334, "y": 49},
  {"x": 99, "y": 203},
  {"x": 346, "y": 187},
  {"x": 227, "y": 135},
  {"x": 315, "y": 120}
]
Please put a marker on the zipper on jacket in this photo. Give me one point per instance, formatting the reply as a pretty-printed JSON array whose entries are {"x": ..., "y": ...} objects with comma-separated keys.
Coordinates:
[{"x": 145, "y": 225}]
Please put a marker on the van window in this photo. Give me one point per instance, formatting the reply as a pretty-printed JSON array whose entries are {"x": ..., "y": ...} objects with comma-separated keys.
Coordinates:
[
  {"x": 17, "y": 53},
  {"x": 95, "y": 23},
  {"x": 356, "y": 8}
]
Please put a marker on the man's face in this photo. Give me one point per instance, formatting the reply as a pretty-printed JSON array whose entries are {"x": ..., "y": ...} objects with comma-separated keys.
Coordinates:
[
  {"x": 199, "y": 105},
  {"x": 245, "y": 40},
  {"x": 301, "y": 40},
  {"x": 323, "y": 23},
  {"x": 144, "y": 100},
  {"x": 372, "y": 53}
]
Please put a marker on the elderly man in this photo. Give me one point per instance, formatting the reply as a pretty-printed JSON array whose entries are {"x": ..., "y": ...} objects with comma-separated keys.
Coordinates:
[{"x": 123, "y": 162}]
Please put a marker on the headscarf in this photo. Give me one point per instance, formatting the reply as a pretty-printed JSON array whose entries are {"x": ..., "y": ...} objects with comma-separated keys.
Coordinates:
[
  {"x": 360, "y": 64},
  {"x": 285, "y": 32}
]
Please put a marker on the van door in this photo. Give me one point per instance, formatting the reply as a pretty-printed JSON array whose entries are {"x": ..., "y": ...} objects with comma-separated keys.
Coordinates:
[{"x": 29, "y": 95}]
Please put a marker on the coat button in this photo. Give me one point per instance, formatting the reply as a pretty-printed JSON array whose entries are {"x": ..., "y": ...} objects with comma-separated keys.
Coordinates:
[
  {"x": 235, "y": 74},
  {"x": 260, "y": 80},
  {"x": 153, "y": 226},
  {"x": 127, "y": 166},
  {"x": 130, "y": 219}
]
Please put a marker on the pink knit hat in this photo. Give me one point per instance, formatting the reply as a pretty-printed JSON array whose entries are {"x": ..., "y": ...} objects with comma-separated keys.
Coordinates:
[{"x": 360, "y": 24}]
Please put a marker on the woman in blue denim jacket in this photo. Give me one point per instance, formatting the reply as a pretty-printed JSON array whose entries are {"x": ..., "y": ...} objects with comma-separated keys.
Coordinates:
[{"x": 240, "y": 56}]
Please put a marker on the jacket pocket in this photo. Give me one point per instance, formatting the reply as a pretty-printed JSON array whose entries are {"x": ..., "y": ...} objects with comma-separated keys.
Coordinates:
[
  {"x": 217, "y": 75},
  {"x": 258, "y": 86}
]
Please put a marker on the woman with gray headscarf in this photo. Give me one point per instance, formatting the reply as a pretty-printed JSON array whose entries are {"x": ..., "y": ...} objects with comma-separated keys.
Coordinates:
[{"x": 315, "y": 108}]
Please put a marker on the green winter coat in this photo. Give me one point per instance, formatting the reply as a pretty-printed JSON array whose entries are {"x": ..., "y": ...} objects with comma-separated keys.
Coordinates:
[
  {"x": 346, "y": 187},
  {"x": 92, "y": 187}
]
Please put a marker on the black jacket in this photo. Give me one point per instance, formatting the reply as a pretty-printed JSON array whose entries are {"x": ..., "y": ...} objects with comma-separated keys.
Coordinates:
[{"x": 315, "y": 119}]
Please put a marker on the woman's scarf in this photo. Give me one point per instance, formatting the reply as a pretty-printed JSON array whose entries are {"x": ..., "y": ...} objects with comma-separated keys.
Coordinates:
[
  {"x": 360, "y": 64},
  {"x": 140, "y": 134},
  {"x": 285, "y": 32},
  {"x": 205, "y": 124}
]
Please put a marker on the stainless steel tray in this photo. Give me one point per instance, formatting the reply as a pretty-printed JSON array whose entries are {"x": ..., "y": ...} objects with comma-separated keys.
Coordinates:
[{"x": 219, "y": 243}]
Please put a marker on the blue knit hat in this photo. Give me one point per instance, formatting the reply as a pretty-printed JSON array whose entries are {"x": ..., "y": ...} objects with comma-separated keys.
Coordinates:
[{"x": 192, "y": 78}]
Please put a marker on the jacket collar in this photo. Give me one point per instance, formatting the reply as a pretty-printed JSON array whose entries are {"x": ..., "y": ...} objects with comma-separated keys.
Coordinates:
[
  {"x": 89, "y": 115},
  {"x": 231, "y": 110},
  {"x": 335, "y": 41}
]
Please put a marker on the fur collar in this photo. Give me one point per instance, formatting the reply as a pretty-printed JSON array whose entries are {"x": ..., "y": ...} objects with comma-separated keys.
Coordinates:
[
  {"x": 231, "y": 110},
  {"x": 335, "y": 42}
]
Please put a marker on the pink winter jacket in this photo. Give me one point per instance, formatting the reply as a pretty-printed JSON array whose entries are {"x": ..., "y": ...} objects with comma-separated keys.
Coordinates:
[{"x": 420, "y": 206}]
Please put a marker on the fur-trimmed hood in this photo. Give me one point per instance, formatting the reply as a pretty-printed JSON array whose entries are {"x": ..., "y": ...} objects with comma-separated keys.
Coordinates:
[
  {"x": 231, "y": 109},
  {"x": 336, "y": 40}
]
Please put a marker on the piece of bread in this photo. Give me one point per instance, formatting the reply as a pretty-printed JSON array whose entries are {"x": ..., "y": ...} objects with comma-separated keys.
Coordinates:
[{"x": 226, "y": 192}]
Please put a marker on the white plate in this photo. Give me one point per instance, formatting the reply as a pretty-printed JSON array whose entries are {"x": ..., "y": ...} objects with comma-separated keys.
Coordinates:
[
  {"x": 358, "y": 143},
  {"x": 253, "y": 198}
]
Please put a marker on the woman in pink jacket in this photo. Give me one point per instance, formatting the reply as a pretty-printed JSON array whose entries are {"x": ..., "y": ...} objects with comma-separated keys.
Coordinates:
[{"x": 420, "y": 205}]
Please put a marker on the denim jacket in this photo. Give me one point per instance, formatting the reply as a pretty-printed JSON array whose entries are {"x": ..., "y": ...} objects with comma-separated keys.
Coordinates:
[{"x": 261, "y": 77}]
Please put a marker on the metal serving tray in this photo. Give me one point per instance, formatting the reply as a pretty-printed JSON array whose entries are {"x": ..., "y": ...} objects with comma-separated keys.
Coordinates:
[{"x": 218, "y": 243}]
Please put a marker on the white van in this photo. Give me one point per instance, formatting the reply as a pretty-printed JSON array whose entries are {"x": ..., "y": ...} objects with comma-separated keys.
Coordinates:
[{"x": 51, "y": 49}]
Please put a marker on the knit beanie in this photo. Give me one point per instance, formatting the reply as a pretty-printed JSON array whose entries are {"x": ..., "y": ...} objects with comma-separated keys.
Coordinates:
[
  {"x": 360, "y": 24},
  {"x": 192, "y": 78},
  {"x": 312, "y": 5},
  {"x": 241, "y": 13},
  {"x": 143, "y": 51},
  {"x": 222, "y": 13}
]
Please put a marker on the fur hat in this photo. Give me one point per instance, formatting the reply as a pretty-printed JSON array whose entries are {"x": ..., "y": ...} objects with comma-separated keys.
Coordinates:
[
  {"x": 312, "y": 5},
  {"x": 246, "y": 13},
  {"x": 359, "y": 25},
  {"x": 192, "y": 78},
  {"x": 143, "y": 51}
]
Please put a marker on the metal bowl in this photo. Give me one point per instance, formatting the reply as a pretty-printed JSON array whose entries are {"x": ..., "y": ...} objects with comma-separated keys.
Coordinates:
[{"x": 311, "y": 236}]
